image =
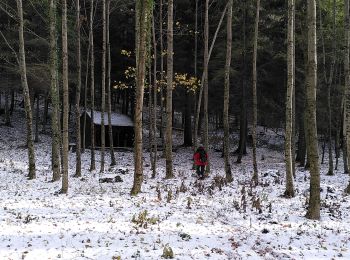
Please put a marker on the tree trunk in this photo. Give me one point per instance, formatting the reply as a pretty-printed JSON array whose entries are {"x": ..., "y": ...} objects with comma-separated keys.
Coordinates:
[
  {"x": 83, "y": 138},
  {"x": 37, "y": 119},
  {"x": 12, "y": 106},
  {"x": 7, "y": 110},
  {"x": 243, "y": 129},
  {"x": 328, "y": 81},
  {"x": 153, "y": 113},
  {"x": 255, "y": 99},
  {"x": 109, "y": 92},
  {"x": 188, "y": 121},
  {"x": 289, "y": 192},
  {"x": 77, "y": 96},
  {"x": 226, "y": 140},
  {"x": 161, "y": 73},
  {"x": 64, "y": 189},
  {"x": 205, "y": 82},
  {"x": 169, "y": 94},
  {"x": 347, "y": 84},
  {"x": 301, "y": 153},
  {"x": 311, "y": 83},
  {"x": 103, "y": 88},
  {"x": 46, "y": 111},
  {"x": 27, "y": 103},
  {"x": 143, "y": 16},
  {"x": 92, "y": 89},
  {"x": 54, "y": 93}
]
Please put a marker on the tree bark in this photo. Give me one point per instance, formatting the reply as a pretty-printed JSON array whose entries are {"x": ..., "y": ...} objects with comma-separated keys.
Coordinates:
[
  {"x": 243, "y": 129},
  {"x": 7, "y": 109},
  {"x": 92, "y": 89},
  {"x": 27, "y": 103},
  {"x": 153, "y": 112},
  {"x": 255, "y": 99},
  {"x": 311, "y": 83},
  {"x": 347, "y": 84},
  {"x": 109, "y": 92},
  {"x": 37, "y": 119},
  {"x": 226, "y": 140},
  {"x": 205, "y": 82},
  {"x": 143, "y": 16},
  {"x": 64, "y": 189},
  {"x": 169, "y": 94},
  {"x": 54, "y": 93},
  {"x": 103, "y": 88},
  {"x": 289, "y": 192},
  {"x": 77, "y": 96}
]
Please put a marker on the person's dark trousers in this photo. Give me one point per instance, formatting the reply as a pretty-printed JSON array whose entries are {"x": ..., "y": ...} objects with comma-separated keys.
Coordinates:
[{"x": 200, "y": 170}]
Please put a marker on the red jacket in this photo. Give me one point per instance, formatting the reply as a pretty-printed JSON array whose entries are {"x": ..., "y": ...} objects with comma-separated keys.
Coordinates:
[{"x": 197, "y": 161}]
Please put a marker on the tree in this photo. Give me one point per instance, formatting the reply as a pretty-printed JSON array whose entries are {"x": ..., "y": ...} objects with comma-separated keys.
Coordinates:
[
  {"x": 205, "y": 81},
  {"x": 109, "y": 93},
  {"x": 289, "y": 192},
  {"x": 27, "y": 104},
  {"x": 169, "y": 93},
  {"x": 77, "y": 96},
  {"x": 64, "y": 189},
  {"x": 347, "y": 83},
  {"x": 255, "y": 99},
  {"x": 310, "y": 114},
  {"x": 328, "y": 82},
  {"x": 227, "y": 95},
  {"x": 153, "y": 109},
  {"x": 243, "y": 115},
  {"x": 143, "y": 20},
  {"x": 103, "y": 86},
  {"x": 92, "y": 87}
]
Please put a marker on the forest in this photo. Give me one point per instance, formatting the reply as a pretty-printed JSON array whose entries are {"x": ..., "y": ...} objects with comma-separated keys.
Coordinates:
[{"x": 161, "y": 129}]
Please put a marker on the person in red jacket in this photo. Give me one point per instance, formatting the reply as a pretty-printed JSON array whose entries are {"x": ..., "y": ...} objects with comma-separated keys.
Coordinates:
[{"x": 200, "y": 158}]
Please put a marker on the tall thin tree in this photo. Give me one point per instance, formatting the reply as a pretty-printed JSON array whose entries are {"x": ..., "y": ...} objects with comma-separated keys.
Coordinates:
[
  {"x": 143, "y": 20},
  {"x": 92, "y": 88},
  {"x": 77, "y": 96},
  {"x": 347, "y": 84},
  {"x": 205, "y": 81},
  {"x": 255, "y": 98},
  {"x": 169, "y": 93},
  {"x": 227, "y": 95},
  {"x": 289, "y": 192},
  {"x": 103, "y": 87},
  {"x": 310, "y": 114},
  {"x": 55, "y": 148},
  {"x": 109, "y": 92},
  {"x": 27, "y": 104},
  {"x": 64, "y": 189}
]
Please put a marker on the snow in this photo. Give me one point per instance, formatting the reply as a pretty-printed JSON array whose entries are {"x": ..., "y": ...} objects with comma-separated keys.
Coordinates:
[
  {"x": 116, "y": 119},
  {"x": 95, "y": 220}
]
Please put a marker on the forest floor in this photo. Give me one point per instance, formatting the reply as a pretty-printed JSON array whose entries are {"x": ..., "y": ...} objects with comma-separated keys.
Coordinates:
[{"x": 202, "y": 219}]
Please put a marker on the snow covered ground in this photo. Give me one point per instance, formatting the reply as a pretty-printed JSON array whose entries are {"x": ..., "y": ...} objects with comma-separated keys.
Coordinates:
[{"x": 201, "y": 220}]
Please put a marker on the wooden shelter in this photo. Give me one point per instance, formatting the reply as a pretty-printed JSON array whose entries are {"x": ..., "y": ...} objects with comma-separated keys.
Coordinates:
[{"x": 122, "y": 127}]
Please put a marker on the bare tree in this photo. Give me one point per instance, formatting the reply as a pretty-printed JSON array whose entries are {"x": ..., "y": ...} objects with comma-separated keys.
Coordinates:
[
  {"x": 103, "y": 87},
  {"x": 169, "y": 93},
  {"x": 64, "y": 189},
  {"x": 255, "y": 99},
  {"x": 92, "y": 88},
  {"x": 109, "y": 93},
  {"x": 310, "y": 113},
  {"x": 27, "y": 104},
  {"x": 347, "y": 84},
  {"x": 143, "y": 20},
  {"x": 77, "y": 96},
  {"x": 289, "y": 192},
  {"x": 227, "y": 95}
]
